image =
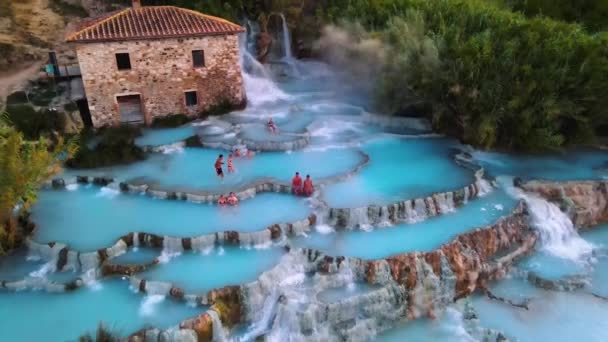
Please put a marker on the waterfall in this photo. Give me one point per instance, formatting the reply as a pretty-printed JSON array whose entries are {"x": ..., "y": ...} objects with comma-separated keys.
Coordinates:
[
  {"x": 419, "y": 212},
  {"x": 557, "y": 233},
  {"x": 286, "y": 39},
  {"x": 483, "y": 187},
  {"x": 135, "y": 241},
  {"x": 219, "y": 335},
  {"x": 358, "y": 218},
  {"x": 259, "y": 86},
  {"x": 269, "y": 310}
]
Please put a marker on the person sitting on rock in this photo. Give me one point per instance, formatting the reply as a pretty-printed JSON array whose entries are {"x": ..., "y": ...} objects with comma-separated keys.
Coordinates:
[
  {"x": 232, "y": 199},
  {"x": 308, "y": 187},
  {"x": 230, "y": 165},
  {"x": 222, "y": 200},
  {"x": 296, "y": 184},
  {"x": 271, "y": 126}
]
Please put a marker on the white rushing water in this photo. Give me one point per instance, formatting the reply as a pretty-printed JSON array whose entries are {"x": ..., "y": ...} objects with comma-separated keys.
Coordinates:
[
  {"x": 286, "y": 39},
  {"x": 149, "y": 304},
  {"x": 557, "y": 233}
]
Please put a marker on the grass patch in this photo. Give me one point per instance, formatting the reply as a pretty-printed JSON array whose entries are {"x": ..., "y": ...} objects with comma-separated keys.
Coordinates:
[{"x": 116, "y": 146}]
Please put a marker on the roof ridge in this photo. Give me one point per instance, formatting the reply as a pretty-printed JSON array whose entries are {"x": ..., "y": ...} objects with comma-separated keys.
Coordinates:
[
  {"x": 93, "y": 25},
  {"x": 207, "y": 16}
]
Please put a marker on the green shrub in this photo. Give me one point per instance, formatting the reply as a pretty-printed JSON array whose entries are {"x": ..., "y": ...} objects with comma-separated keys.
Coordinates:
[
  {"x": 70, "y": 107},
  {"x": 171, "y": 120},
  {"x": 68, "y": 9},
  {"x": 222, "y": 107},
  {"x": 34, "y": 124},
  {"x": 17, "y": 97},
  {"x": 116, "y": 145},
  {"x": 102, "y": 334}
]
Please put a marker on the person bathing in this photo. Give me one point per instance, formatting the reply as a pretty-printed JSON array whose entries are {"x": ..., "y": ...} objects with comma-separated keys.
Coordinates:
[
  {"x": 232, "y": 199},
  {"x": 218, "y": 166},
  {"x": 222, "y": 200},
  {"x": 271, "y": 126},
  {"x": 308, "y": 187},
  {"x": 230, "y": 165},
  {"x": 296, "y": 184}
]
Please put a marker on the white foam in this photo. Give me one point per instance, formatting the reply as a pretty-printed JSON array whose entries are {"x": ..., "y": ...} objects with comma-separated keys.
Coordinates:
[
  {"x": 107, "y": 192},
  {"x": 166, "y": 256},
  {"x": 72, "y": 187},
  {"x": 324, "y": 229},
  {"x": 47, "y": 268},
  {"x": 499, "y": 207},
  {"x": 149, "y": 304}
]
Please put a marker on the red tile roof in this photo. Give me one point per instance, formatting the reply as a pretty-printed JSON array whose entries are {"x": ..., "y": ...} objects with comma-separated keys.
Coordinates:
[{"x": 150, "y": 22}]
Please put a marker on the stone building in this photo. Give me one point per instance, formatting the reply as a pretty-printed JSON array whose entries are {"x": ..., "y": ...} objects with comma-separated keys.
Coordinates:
[{"x": 150, "y": 61}]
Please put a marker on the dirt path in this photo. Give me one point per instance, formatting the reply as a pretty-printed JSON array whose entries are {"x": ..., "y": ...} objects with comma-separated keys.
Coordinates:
[{"x": 12, "y": 81}]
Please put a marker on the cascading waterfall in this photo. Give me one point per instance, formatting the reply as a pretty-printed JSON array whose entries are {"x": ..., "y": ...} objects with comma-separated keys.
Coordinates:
[
  {"x": 557, "y": 233},
  {"x": 286, "y": 39},
  {"x": 259, "y": 86},
  {"x": 219, "y": 335},
  {"x": 268, "y": 314}
]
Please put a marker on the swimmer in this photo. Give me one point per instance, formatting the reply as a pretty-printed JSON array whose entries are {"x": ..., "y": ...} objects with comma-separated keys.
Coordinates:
[
  {"x": 232, "y": 199},
  {"x": 230, "y": 166},
  {"x": 296, "y": 184},
  {"x": 308, "y": 187},
  {"x": 218, "y": 166},
  {"x": 222, "y": 200},
  {"x": 271, "y": 126}
]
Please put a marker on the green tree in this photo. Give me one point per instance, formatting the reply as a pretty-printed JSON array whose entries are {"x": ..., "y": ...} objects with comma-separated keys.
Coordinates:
[{"x": 24, "y": 166}]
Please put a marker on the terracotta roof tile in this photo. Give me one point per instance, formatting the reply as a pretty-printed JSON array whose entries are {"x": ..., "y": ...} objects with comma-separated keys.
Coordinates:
[{"x": 150, "y": 22}]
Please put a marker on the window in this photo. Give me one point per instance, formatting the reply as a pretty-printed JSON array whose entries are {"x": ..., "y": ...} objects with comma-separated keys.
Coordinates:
[
  {"x": 191, "y": 99},
  {"x": 123, "y": 62},
  {"x": 198, "y": 58}
]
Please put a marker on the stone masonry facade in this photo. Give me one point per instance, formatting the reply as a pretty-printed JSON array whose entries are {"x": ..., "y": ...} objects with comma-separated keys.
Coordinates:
[{"x": 162, "y": 70}]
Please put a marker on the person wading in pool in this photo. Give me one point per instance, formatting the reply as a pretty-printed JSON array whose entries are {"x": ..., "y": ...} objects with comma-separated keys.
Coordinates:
[
  {"x": 308, "y": 187},
  {"x": 218, "y": 166},
  {"x": 271, "y": 126},
  {"x": 230, "y": 165},
  {"x": 232, "y": 199},
  {"x": 296, "y": 184},
  {"x": 222, "y": 200}
]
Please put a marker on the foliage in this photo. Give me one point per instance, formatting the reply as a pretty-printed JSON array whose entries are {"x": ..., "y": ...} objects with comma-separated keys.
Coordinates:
[
  {"x": 502, "y": 80},
  {"x": 17, "y": 97},
  {"x": 24, "y": 165},
  {"x": 70, "y": 107},
  {"x": 221, "y": 107},
  {"x": 35, "y": 123},
  {"x": 68, "y": 9},
  {"x": 102, "y": 334},
  {"x": 171, "y": 120},
  {"x": 591, "y": 14},
  {"x": 111, "y": 146}
]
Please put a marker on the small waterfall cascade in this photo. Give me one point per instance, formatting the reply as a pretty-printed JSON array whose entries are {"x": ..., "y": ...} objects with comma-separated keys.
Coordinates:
[
  {"x": 269, "y": 311},
  {"x": 286, "y": 39},
  {"x": 557, "y": 233},
  {"x": 253, "y": 31},
  {"x": 259, "y": 86},
  {"x": 219, "y": 335}
]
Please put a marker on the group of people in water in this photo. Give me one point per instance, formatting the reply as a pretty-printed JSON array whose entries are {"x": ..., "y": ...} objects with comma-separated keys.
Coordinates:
[
  {"x": 231, "y": 199},
  {"x": 300, "y": 188}
]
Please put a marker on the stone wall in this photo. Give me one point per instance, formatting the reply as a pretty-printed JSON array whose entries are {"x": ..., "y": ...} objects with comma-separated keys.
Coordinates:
[{"x": 161, "y": 71}]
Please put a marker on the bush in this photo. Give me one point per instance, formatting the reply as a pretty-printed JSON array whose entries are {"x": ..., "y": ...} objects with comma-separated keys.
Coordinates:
[
  {"x": 116, "y": 146},
  {"x": 34, "y": 124},
  {"x": 222, "y": 107},
  {"x": 171, "y": 120},
  {"x": 18, "y": 97},
  {"x": 102, "y": 334},
  {"x": 70, "y": 107}
]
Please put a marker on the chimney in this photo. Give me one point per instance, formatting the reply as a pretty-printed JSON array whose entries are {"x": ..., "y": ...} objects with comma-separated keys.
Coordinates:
[{"x": 136, "y": 4}]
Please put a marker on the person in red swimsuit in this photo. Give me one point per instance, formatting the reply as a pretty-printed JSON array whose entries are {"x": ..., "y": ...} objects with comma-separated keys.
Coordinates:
[
  {"x": 296, "y": 184},
  {"x": 218, "y": 166},
  {"x": 222, "y": 200},
  {"x": 308, "y": 187}
]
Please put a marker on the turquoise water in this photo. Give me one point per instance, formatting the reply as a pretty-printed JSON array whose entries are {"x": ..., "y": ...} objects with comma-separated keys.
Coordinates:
[
  {"x": 555, "y": 316},
  {"x": 198, "y": 273},
  {"x": 91, "y": 218},
  {"x": 163, "y": 136},
  {"x": 193, "y": 168},
  {"x": 422, "y": 236},
  {"x": 398, "y": 169},
  {"x": 39, "y": 316},
  {"x": 571, "y": 165}
]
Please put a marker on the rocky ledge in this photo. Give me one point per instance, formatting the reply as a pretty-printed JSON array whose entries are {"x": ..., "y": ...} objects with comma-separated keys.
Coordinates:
[{"x": 586, "y": 202}]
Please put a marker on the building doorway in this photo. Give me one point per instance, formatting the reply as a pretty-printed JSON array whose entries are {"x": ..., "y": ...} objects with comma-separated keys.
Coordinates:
[
  {"x": 85, "y": 114},
  {"x": 129, "y": 107}
]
